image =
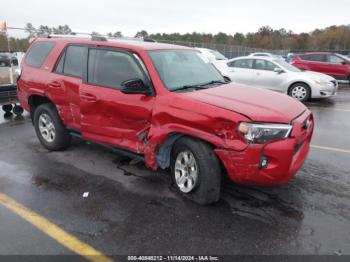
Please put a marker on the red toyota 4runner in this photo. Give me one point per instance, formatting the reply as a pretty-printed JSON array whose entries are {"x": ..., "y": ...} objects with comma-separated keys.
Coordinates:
[{"x": 163, "y": 104}]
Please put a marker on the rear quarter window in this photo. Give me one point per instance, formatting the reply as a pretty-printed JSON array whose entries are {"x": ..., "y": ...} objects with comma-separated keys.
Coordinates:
[{"x": 38, "y": 53}]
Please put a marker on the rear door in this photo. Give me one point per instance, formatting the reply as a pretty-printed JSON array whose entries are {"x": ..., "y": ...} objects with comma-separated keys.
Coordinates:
[
  {"x": 265, "y": 76},
  {"x": 240, "y": 71},
  {"x": 317, "y": 63},
  {"x": 65, "y": 83},
  {"x": 107, "y": 114}
]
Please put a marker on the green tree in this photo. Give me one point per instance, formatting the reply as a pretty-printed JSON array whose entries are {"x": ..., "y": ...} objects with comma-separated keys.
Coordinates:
[
  {"x": 115, "y": 34},
  {"x": 239, "y": 38},
  {"x": 142, "y": 33}
]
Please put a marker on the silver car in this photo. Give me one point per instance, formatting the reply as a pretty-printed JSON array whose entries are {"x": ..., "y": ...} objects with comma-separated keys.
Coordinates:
[{"x": 277, "y": 75}]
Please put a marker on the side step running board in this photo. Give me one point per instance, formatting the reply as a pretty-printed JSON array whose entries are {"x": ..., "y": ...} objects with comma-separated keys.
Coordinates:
[{"x": 114, "y": 149}]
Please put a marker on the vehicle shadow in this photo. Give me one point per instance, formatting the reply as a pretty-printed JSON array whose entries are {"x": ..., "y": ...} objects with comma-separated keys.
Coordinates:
[
  {"x": 265, "y": 204},
  {"x": 268, "y": 205}
]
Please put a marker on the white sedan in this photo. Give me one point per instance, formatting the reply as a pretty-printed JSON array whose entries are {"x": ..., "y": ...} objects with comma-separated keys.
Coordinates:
[
  {"x": 278, "y": 75},
  {"x": 214, "y": 57}
]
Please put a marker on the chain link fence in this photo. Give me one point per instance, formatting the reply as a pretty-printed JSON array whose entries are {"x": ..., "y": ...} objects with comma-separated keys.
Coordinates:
[{"x": 230, "y": 51}]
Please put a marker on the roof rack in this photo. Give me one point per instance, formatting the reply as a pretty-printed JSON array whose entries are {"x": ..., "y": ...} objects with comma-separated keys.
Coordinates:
[{"x": 94, "y": 37}]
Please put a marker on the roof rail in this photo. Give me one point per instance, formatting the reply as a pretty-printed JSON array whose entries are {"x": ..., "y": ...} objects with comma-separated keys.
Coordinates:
[{"x": 94, "y": 37}]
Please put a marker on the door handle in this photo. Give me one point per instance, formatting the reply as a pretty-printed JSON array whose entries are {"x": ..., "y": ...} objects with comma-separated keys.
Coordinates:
[
  {"x": 88, "y": 97},
  {"x": 55, "y": 84}
]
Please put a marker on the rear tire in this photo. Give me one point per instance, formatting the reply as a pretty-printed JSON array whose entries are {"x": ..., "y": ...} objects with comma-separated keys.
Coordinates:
[
  {"x": 300, "y": 92},
  {"x": 49, "y": 128},
  {"x": 199, "y": 178}
]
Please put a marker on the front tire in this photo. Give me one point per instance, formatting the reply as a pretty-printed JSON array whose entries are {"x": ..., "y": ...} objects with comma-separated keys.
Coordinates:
[
  {"x": 49, "y": 128},
  {"x": 195, "y": 171},
  {"x": 300, "y": 92}
]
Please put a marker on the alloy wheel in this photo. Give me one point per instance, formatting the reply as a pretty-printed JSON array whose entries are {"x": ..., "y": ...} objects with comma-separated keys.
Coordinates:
[
  {"x": 47, "y": 128},
  {"x": 186, "y": 171}
]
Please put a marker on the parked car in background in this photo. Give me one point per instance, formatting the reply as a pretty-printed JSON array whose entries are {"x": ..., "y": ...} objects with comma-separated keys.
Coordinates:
[
  {"x": 9, "y": 71},
  {"x": 266, "y": 55},
  {"x": 289, "y": 57},
  {"x": 164, "y": 105},
  {"x": 9, "y": 100},
  {"x": 335, "y": 65},
  {"x": 214, "y": 57},
  {"x": 278, "y": 75}
]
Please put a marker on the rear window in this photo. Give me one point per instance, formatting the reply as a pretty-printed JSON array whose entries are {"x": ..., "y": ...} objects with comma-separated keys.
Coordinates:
[{"x": 38, "y": 53}]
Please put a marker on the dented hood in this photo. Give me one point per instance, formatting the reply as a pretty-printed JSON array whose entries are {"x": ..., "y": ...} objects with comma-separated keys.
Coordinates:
[{"x": 257, "y": 104}]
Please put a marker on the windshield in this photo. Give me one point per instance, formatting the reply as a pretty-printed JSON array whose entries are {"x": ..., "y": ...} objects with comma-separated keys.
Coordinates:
[
  {"x": 179, "y": 68},
  {"x": 346, "y": 58},
  {"x": 286, "y": 65},
  {"x": 218, "y": 55}
]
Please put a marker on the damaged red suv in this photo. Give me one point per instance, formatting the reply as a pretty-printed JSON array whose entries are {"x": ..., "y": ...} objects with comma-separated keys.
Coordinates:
[{"x": 163, "y": 104}]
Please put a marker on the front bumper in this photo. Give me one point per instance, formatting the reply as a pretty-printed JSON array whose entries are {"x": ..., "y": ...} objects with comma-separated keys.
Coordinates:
[
  {"x": 328, "y": 90},
  {"x": 285, "y": 157}
]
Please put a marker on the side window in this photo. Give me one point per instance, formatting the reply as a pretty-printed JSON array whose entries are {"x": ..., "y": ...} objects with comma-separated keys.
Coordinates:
[
  {"x": 317, "y": 58},
  {"x": 59, "y": 67},
  {"x": 110, "y": 68},
  {"x": 270, "y": 66},
  {"x": 264, "y": 65},
  {"x": 38, "y": 53},
  {"x": 74, "y": 61},
  {"x": 304, "y": 57},
  {"x": 242, "y": 63},
  {"x": 334, "y": 59}
]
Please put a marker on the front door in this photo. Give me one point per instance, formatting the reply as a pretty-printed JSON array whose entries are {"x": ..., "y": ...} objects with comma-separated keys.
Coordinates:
[
  {"x": 107, "y": 114},
  {"x": 265, "y": 76},
  {"x": 337, "y": 67}
]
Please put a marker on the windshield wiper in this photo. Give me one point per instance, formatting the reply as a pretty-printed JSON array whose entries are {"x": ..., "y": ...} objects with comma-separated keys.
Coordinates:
[
  {"x": 200, "y": 86},
  {"x": 214, "y": 82}
]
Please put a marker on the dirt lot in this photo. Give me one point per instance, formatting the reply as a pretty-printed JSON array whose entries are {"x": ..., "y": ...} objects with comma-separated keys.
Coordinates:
[{"x": 132, "y": 210}]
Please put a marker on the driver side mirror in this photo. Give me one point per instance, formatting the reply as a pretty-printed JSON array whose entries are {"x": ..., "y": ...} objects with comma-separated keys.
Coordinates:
[
  {"x": 135, "y": 86},
  {"x": 278, "y": 70},
  {"x": 343, "y": 63}
]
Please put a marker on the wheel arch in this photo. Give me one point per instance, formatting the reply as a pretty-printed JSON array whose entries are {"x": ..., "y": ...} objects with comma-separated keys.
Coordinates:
[
  {"x": 164, "y": 149},
  {"x": 36, "y": 100}
]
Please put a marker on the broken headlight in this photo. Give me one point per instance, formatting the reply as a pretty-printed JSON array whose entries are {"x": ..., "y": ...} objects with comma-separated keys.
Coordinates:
[{"x": 263, "y": 132}]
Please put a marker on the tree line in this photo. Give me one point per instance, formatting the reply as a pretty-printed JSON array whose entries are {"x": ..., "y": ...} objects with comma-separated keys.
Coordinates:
[{"x": 330, "y": 38}]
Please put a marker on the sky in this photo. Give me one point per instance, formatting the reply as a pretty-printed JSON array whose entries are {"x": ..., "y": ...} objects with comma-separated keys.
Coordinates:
[{"x": 168, "y": 16}]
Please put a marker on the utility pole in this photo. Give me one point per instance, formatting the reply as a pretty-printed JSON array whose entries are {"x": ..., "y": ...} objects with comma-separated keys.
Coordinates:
[{"x": 3, "y": 29}]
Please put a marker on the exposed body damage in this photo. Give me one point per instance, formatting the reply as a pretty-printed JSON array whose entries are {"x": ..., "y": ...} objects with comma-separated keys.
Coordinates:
[{"x": 171, "y": 119}]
